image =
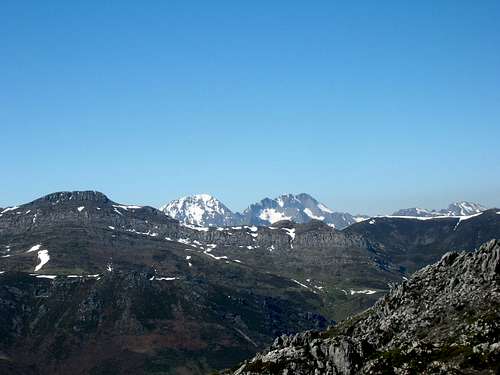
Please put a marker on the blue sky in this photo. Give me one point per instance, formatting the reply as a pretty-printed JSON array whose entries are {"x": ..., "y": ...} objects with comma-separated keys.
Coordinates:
[{"x": 369, "y": 106}]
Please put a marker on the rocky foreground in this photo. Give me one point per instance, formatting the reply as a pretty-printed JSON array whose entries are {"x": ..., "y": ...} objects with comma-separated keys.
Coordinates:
[{"x": 444, "y": 320}]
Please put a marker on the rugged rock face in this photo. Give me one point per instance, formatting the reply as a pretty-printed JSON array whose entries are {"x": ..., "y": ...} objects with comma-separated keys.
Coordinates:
[{"x": 444, "y": 319}]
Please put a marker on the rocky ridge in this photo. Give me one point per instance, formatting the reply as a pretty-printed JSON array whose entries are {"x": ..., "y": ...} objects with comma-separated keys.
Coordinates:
[{"x": 444, "y": 319}]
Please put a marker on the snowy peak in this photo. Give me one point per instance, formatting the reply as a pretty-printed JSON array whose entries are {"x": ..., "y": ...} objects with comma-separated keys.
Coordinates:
[
  {"x": 462, "y": 208},
  {"x": 199, "y": 209},
  {"x": 300, "y": 208}
]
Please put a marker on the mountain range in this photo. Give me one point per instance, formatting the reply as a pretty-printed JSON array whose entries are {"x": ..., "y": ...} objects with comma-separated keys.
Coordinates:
[
  {"x": 129, "y": 289},
  {"x": 462, "y": 208},
  {"x": 204, "y": 210}
]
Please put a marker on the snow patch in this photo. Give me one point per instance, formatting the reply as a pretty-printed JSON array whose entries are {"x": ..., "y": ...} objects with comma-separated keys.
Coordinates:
[
  {"x": 272, "y": 216},
  {"x": 309, "y": 213},
  {"x": 126, "y": 207},
  {"x": 359, "y": 219},
  {"x": 9, "y": 209},
  {"x": 148, "y": 233},
  {"x": 290, "y": 232},
  {"x": 164, "y": 278},
  {"x": 34, "y": 248},
  {"x": 195, "y": 227},
  {"x": 43, "y": 257},
  {"x": 323, "y": 208},
  {"x": 299, "y": 283},
  {"x": 364, "y": 291}
]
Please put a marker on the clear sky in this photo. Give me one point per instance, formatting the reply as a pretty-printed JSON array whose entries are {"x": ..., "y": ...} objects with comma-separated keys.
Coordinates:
[{"x": 369, "y": 106}]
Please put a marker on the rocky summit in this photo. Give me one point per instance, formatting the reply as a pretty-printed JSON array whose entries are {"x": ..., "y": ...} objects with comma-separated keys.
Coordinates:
[{"x": 444, "y": 320}]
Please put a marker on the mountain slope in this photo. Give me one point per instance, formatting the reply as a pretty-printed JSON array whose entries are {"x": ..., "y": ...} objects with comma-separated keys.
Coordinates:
[
  {"x": 444, "y": 319},
  {"x": 413, "y": 243},
  {"x": 129, "y": 290}
]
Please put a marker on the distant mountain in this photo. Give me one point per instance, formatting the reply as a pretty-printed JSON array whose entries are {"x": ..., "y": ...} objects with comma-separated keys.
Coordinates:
[
  {"x": 300, "y": 208},
  {"x": 205, "y": 210},
  {"x": 462, "y": 208},
  {"x": 200, "y": 209}
]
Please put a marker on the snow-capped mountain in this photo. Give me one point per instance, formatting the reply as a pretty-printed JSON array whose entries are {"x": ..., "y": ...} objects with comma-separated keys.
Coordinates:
[
  {"x": 200, "y": 209},
  {"x": 300, "y": 208},
  {"x": 462, "y": 208},
  {"x": 205, "y": 210}
]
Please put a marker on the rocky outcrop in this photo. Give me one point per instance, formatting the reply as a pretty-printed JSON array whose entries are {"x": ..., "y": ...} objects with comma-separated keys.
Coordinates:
[{"x": 444, "y": 319}]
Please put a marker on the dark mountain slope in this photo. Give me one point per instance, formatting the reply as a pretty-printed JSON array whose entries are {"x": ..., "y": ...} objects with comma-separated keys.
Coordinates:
[
  {"x": 445, "y": 319},
  {"x": 414, "y": 243},
  {"x": 124, "y": 299}
]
